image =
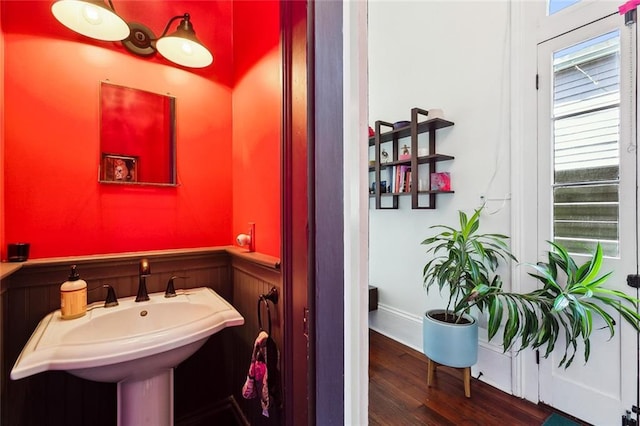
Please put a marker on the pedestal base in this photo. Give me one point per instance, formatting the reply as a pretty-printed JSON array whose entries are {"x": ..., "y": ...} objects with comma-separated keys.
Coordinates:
[{"x": 146, "y": 401}]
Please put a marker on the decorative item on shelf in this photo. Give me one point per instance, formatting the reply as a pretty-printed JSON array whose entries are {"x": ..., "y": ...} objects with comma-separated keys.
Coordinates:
[
  {"x": 406, "y": 153},
  {"x": 371, "y": 132},
  {"x": 384, "y": 156},
  {"x": 440, "y": 181},
  {"x": 435, "y": 113},
  {"x": 400, "y": 124},
  {"x": 95, "y": 19},
  {"x": 423, "y": 184},
  {"x": 383, "y": 187},
  {"x": 119, "y": 168}
]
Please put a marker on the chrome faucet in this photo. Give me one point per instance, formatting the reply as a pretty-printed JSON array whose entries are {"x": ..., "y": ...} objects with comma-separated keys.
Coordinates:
[{"x": 145, "y": 271}]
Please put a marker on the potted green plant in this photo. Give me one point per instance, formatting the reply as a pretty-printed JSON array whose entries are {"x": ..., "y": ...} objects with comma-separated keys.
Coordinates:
[
  {"x": 465, "y": 262},
  {"x": 460, "y": 260}
]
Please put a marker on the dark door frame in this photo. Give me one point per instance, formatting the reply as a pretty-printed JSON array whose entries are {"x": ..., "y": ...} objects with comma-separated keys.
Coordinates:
[
  {"x": 297, "y": 366},
  {"x": 312, "y": 247},
  {"x": 327, "y": 223}
]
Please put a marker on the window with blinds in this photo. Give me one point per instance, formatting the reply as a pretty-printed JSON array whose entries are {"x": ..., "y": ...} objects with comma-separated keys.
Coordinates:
[{"x": 586, "y": 118}]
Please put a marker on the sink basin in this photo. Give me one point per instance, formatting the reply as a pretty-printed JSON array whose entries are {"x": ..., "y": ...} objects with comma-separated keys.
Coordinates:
[{"x": 132, "y": 344}]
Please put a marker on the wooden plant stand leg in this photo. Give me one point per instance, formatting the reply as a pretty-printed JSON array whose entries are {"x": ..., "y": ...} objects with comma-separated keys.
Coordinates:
[
  {"x": 431, "y": 371},
  {"x": 466, "y": 376}
]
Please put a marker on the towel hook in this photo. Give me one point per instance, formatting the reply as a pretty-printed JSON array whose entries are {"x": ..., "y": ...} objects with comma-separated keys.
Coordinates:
[
  {"x": 264, "y": 298},
  {"x": 272, "y": 295}
]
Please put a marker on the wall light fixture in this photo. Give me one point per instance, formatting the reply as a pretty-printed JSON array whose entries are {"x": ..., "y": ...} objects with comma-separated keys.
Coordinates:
[{"x": 93, "y": 18}]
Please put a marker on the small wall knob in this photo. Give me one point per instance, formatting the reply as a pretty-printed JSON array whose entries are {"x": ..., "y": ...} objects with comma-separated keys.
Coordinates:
[{"x": 249, "y": 239}]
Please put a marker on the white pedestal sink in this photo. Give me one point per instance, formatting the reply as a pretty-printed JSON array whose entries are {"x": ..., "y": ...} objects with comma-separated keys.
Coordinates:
[{"x": 136, "y": 345}]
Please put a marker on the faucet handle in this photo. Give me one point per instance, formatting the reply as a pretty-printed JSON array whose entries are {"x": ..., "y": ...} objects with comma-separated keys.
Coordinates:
[
  {"x": 171, "y": 291},
  {"x": 111, "y": 299}
]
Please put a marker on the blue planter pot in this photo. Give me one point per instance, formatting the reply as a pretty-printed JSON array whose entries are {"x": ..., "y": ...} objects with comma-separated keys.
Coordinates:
[{"x": 454, "y": 345}]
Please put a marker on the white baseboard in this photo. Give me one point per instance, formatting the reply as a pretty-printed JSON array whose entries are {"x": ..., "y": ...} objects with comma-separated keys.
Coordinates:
[
  {"x": 397, "y": 325},
  {"x": 493, "y": 367}
]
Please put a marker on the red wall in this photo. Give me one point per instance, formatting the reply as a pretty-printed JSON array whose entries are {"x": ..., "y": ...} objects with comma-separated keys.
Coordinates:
[
  {"x": 228, "y": 133},
  {"x": 257, "y": 109},
  {"x": 2, "y": 225},
  {"x": 53, "y": 198}
]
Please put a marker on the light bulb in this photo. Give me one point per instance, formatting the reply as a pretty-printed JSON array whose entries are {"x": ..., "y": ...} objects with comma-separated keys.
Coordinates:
[
  {"x": 92, "y": 14},
  {"x": 187, "y": 49},
  {"x": 91, "y": 18}
]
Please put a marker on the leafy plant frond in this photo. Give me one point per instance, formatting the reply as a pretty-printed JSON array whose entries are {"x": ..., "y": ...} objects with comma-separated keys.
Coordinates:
[{"x": 568, "y": 303}]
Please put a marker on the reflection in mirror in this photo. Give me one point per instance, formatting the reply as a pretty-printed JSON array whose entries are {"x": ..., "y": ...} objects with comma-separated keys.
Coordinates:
[{"x": 137, "y": 136}]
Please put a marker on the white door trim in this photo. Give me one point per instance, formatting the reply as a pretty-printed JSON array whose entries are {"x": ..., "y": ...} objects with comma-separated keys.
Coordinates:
[
  {"x": 356, "y": 213},
  {"x": 524, "y": 232}
]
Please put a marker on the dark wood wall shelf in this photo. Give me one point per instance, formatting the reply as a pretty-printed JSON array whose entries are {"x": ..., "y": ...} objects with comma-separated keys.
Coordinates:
[{"x": 393, "y": 136}]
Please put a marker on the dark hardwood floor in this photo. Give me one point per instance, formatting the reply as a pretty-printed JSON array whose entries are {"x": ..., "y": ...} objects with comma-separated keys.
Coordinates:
[{"x": 398, "y": 393}]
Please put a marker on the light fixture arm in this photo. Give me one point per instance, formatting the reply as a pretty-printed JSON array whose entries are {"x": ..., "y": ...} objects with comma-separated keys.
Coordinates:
[{"x": 186, "y": 17}]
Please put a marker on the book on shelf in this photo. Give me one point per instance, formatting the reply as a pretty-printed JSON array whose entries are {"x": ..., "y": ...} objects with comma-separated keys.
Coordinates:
[
  {"x": 401, "y": 179},
  {"x": 441, "y": 181},
  {"x": 390, "y": 179}
]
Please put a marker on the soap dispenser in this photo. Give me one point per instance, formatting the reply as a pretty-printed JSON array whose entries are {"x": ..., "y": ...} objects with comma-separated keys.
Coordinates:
[{"x": 73, "y": 296}]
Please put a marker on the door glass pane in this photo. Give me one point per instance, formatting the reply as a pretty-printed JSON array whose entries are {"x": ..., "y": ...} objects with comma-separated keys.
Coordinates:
[
  {"x": 586, "y": 118},
  {"x": 554, "y": 6}
]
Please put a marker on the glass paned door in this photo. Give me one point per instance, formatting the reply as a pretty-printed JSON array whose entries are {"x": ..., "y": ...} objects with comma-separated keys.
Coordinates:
[
  {"x": 586, "y": 195},
  {"x": 554, "y": 6}
]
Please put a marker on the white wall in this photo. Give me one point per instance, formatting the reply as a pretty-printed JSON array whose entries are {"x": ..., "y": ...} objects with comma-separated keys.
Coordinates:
[{"x": 452, "y": 55}]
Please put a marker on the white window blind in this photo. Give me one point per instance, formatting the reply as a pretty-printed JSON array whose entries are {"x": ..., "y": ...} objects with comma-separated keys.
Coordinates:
[{"x": 586, "y": 118}]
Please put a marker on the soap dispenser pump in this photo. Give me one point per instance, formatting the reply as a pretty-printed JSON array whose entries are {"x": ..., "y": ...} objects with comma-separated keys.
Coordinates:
[{"x": 73, "y": 296}]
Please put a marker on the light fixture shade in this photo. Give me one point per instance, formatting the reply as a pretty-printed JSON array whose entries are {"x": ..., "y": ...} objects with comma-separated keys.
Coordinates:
[
  {"x": 183, "y": 48},
  {"x": 91, "y": 18}
]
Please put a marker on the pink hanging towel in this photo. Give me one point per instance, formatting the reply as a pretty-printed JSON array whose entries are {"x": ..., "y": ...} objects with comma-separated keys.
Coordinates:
[{"x": 258, "y": 375}]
